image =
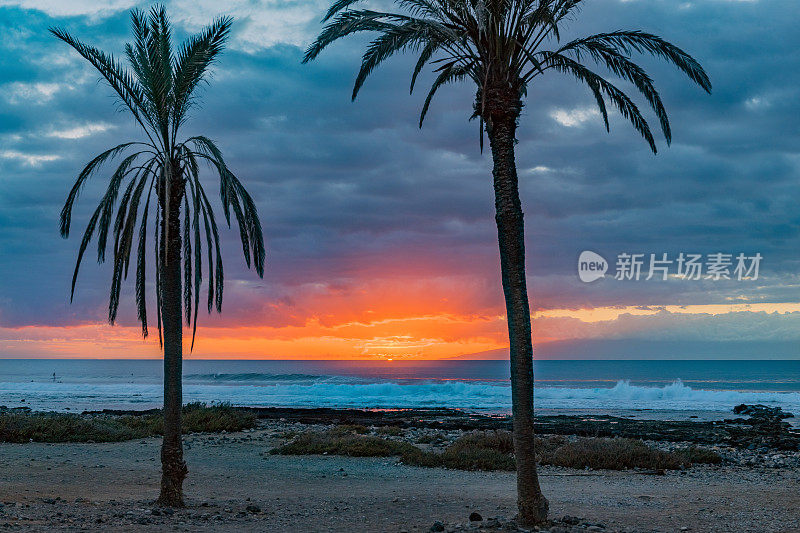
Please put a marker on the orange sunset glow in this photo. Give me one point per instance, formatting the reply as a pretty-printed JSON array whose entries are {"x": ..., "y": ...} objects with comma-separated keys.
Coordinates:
[{"x": 409, "y": 324}]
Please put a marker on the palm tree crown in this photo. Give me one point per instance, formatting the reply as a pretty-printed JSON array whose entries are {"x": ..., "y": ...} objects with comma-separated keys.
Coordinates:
[
  {"x": 158, "y": 89},
  {"x": 499, "y": 44}
]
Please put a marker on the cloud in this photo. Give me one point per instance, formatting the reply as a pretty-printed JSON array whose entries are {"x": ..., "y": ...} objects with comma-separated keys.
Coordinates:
[
  {"x": 257, "y": 25},
  {"x": 32, "y": 160},
  {"x": 72, "y": 8},
  {"x": 37, "y": 93},
  {"x": 79, "y": 132},
  {"x": 573, "y": 118}
]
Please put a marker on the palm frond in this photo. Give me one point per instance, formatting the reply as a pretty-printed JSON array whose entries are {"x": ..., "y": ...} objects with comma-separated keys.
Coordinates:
[
  {"x": 192, "y": 62},
  {"x": 625, "y": 69},
  {"x": 338, "y": 6},
  {"x": 141, "y": 268},
  {"x": 620, "y": 100},
  {"x": 86, "y": 173},
  {"x": 122, "y": 248},
  {"x": 187, "y": 263},
  {"x": 425, "y": 55},
  {"x": 123, "y": 83},
  {"x": 407, "y": 36},
  {"x": 345, "y": 24},
  {"x": 647, "y": 43},
  {"x": 451, "y": 73}
]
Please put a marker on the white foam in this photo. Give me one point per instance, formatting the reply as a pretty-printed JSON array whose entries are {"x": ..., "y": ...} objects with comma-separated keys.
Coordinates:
[{"x": 326, "y": 392}]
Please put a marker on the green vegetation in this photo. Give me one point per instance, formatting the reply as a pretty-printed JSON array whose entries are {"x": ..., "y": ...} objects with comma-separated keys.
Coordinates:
[
  {"x": 494, "y": 450},
  {"x": 391, "y": 431},
  {"x": 337, "y": 442},
  {"x": 26, "y": 426},
  {"x": 612, "y": 454},
  {"x": 351, "y": 428},
  {"x": 697, "y": 455}
]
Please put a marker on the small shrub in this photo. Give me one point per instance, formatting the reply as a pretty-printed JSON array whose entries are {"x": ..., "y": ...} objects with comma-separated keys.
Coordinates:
[
  {"x": 390, "y": 431},
  {"x": 698, "y": 455},
  {"x": 344, "y": 429},
  {"x": 198, "y": 417},
  {"x": 429, "y": 439},
  {"x": 489, "y": 450},
  {"x": 333, "y": 442},
  {"x": 494, "y": 450},
  {"x": 612, "y": 454},
  {"x": 416, "y": 457},
  {"x": 58, "y": 427},
  {"x": 500, "y": 441}
]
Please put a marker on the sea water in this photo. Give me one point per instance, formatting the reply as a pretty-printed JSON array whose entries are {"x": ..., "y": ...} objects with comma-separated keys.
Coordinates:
[{"x": 664, "y": 388}]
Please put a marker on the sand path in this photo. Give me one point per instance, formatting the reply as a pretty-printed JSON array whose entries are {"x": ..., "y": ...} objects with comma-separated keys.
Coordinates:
[{"x": 115, "y": 483}]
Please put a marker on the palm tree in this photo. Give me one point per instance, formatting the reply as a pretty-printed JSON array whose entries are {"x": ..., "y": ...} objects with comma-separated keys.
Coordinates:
[
  {"x": 159, "y": 90},
  {"x": 502, "y": 46}
]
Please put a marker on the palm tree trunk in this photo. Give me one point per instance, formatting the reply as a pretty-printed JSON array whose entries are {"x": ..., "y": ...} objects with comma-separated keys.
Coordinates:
[
  {"x": 173, "y": 467},
  {"x": 532, "y": 504}
]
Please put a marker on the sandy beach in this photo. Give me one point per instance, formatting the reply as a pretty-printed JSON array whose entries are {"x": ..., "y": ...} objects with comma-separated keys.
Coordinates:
[{"x": 236, "y": 485}]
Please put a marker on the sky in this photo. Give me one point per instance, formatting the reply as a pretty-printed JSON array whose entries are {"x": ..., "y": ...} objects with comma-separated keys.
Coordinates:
[{"x": 380, "y": 236}]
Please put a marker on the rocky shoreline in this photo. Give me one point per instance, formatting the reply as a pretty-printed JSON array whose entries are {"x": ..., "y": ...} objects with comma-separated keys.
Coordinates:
[{"x": 760, "y": 428}]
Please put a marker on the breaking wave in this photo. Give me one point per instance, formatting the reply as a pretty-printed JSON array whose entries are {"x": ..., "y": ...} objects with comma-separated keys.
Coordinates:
[{"x": 301, "y": 390}]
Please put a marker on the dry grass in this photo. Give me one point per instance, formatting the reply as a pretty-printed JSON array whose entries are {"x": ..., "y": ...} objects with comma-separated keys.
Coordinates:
[
  {"x": 335, "y": 442},
  {"x": 25, "y": 426},
  {"x": 494, "y": 450},
  {"x": 612, "y": 454},
  {"x": 698, "y": 455},
  {"x": 351, "y": 428}
]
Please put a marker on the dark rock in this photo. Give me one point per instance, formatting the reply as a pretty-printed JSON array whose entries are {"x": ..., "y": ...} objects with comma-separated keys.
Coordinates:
[
  {"x": 475, "y": 517},
  {"x": 764, "y": 429},
  {"x": 761, "y": 411},
  {"x": 437, "y": 526},
  {"x": 253, "y": 508},
  {"x": 570, "y": 520}
]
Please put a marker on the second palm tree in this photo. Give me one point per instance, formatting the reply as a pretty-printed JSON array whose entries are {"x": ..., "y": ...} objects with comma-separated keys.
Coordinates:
[{"x": 499, "y": 45}]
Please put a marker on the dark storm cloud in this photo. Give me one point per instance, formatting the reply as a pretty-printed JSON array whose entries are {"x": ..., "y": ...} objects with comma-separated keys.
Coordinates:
[{"x": 356, "y": 189}]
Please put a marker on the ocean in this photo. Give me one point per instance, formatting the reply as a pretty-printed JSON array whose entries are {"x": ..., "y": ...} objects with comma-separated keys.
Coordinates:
[{"x": 671, "y": 389}]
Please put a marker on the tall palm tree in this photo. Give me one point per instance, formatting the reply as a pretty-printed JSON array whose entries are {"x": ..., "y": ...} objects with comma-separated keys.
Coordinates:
[
  {"x": 158, "y": 91},
  {"x": 502, "y": 46}
]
